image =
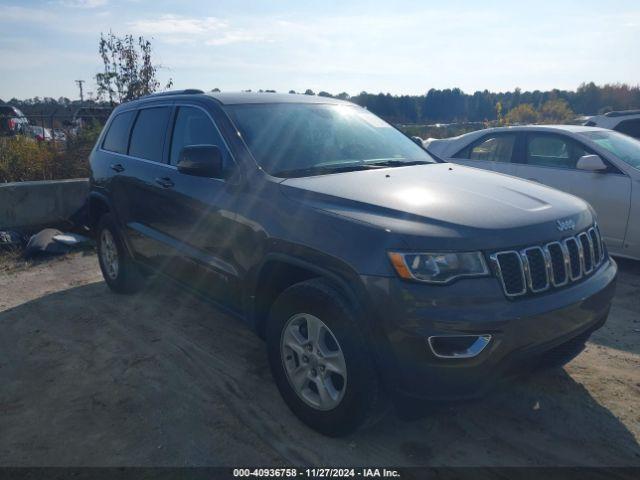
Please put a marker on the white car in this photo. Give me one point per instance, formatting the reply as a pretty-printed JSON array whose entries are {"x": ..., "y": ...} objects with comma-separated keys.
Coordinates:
[
  {"x": 626, "y": 121},
  {"x": 599, "y": 165},
  {"x": 40, "y": 134}
]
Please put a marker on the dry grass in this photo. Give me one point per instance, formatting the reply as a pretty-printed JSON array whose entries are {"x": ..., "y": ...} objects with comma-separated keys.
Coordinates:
[{"x": 23, "y": 159}]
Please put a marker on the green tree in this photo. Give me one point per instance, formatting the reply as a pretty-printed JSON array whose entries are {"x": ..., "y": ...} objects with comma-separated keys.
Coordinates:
[
  {"x": 522, "y": 114},
  {"x": 128, "y": 71},
  {"x": 499, "y": 113},
  {"x": 556, "y": 111}
]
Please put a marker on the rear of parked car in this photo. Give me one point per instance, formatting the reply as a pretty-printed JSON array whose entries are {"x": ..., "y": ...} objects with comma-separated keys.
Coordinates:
[
  {"x": 371, "y": 269},
  {"x": 12, "y": 121},
  {"x": 625, "y": 121}
]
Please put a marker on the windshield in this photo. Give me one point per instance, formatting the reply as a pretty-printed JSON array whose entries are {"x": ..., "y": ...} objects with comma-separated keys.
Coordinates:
[
  {"x": 310, "y": 139},
  {"x": 622, "y": 146}
]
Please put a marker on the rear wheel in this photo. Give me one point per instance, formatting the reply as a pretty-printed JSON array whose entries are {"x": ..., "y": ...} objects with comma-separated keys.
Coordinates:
[
  {"x": 320, "y": 361},
  {"x": 118, "y": 268}
]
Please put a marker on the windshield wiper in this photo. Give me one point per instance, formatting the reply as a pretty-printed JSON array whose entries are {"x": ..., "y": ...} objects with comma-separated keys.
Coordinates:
[
  {"x": 325, "y": 170},
  {"x": 351, "y": 167},
  {"x": 397, "y": 163}
]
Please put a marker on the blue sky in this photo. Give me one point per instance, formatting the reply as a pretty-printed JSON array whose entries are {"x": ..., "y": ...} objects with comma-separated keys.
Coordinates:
[{"x": 403, "y": 47}]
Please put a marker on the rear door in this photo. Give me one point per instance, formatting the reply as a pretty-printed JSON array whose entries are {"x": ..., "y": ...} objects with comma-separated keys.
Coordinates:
[
  {"x": 493, "y": 152},
  {"x": 551, "y": 158},
  {"x": 144, "y": 172}
]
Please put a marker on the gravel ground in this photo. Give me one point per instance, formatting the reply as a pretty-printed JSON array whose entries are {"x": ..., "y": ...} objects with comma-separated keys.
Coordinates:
[{"x": 90, "y": 378}]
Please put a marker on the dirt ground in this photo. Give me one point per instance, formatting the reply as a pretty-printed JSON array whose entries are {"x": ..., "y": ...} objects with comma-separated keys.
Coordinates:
[{"x": 90, "y": 378}]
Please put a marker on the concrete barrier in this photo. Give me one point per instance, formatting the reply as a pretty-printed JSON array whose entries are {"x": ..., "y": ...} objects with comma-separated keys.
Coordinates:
[{"x": 35, "y": 204}]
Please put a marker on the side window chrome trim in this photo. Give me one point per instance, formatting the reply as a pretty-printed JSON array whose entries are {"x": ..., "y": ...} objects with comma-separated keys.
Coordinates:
[
  {"x": 163, "y": 164},
  {"x": 136, "y": 111}
]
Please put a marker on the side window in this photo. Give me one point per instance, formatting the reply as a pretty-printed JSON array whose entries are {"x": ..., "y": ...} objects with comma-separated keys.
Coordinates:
[
  {"x": 147, "y": 138},
  {"x": 117, "y": 137},
  {"x": 496, "y": 148},
  {"x": 629, "y": 127},
  {"x": 192, "y": 127},
  {"x": 553, "y": 151}
]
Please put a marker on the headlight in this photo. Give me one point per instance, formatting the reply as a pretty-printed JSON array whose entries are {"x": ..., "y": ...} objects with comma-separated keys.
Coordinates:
[{"x": 439, "y": 267}]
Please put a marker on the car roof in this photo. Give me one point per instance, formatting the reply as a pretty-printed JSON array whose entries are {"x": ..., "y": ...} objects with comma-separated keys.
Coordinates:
[
  {"x": 622, "y": 113},
  {"x": 238, "y": 98},
  {"x": 233, "y": 98},
  {"x": 543, "y": 128}
]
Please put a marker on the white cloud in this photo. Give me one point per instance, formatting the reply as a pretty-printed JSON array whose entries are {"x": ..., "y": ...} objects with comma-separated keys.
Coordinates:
[
  {"x": 175, "y": 24},
  {"x": 83, "y": 3},
  {"x": 180, "y": 29}
]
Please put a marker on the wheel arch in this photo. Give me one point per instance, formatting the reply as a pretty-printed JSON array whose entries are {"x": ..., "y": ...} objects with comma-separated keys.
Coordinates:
[
  {"x": 99, "y": 204},
  {"x": 279, "y": 271}
]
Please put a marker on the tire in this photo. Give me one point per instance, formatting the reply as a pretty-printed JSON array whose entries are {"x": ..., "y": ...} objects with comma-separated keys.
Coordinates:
[
  {"x": 119, "y": 271},
  {"x": 348, "y": 401}
]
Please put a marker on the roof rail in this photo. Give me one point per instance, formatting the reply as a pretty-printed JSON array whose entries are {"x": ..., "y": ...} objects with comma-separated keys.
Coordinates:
[
  {"x": 622, "y": 113},
  {"x": 188, "y": 91}
]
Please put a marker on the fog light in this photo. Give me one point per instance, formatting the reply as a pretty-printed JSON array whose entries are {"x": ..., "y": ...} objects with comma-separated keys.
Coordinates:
[{"x": 458, "y": 346}]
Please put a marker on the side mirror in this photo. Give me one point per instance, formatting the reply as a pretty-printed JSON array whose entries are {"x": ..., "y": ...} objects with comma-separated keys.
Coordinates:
[
  {"x": 591, "y": 163},
  {"x": 201, "y": 161},
  {"x": 417, "y": 141}
]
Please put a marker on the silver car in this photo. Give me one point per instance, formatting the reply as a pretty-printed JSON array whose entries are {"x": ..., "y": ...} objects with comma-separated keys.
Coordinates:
[{"x": 599, "y": 165}]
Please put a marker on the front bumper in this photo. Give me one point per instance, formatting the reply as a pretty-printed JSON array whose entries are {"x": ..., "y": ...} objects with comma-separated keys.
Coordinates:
[{"x": 406, "y": 314}]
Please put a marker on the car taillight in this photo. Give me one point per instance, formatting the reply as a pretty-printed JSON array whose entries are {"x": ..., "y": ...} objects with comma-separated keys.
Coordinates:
[
  {"x": 39, "y": 138},
  {"x": 12, "y": 124}
]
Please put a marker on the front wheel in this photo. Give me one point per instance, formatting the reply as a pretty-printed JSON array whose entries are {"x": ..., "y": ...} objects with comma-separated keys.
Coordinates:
[{"x": 319, "y": 359}]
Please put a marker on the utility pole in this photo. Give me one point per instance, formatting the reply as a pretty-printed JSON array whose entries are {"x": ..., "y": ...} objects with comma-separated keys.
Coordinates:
[{"x": 80, "y": 82}]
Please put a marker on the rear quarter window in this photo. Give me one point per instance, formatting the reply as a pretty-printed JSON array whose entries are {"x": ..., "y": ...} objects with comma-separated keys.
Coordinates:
[{"x": 117, "y": 137}]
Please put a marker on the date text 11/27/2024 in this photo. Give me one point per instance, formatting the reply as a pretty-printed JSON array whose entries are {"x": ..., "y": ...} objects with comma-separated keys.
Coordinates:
[{"x": 316, "y": 472}]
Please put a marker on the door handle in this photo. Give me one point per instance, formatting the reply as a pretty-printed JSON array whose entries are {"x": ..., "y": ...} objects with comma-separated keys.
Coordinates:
[
  {"x": 165, "y": 182},
  {"x": 534, "y": 180},
  {"x": 117, "y": 167}
]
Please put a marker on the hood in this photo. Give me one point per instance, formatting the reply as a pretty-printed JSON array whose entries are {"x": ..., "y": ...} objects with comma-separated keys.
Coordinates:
[{"x": 458, "y": 205}]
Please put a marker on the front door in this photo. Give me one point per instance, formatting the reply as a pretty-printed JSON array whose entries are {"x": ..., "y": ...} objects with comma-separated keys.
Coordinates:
[
  {"x": 197, "y": 217},
  {"x": 551, "y": 159}
]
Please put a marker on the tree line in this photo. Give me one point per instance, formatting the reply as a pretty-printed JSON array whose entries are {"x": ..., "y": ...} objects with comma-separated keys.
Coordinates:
[
  {"x": 454, "y": 105},
  {"x": 443, "y": 106}
]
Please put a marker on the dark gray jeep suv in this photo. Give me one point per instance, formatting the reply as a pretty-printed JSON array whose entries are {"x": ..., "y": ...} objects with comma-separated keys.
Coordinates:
[{"x": 370, "y": 267}]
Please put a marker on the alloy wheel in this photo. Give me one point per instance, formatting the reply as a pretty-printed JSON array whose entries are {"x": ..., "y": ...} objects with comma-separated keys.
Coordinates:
[
  {"x": 313, "y": 361},
  {"x": 109, "y": 254}
]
